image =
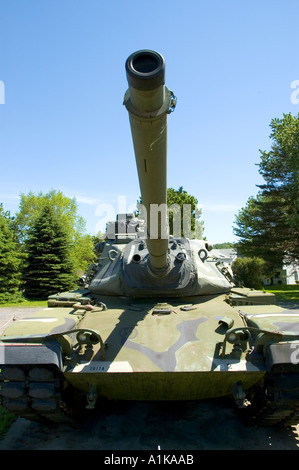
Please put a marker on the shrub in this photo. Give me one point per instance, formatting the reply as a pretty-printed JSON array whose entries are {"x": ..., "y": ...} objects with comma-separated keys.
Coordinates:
[{"x": 249, "y": 271}]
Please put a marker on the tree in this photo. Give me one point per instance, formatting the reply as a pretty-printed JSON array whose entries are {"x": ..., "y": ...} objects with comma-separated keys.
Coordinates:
[
  {"x": 268, "y": 226},
  {"x": 258, "y": 235},
  {"x": 83, "y": 254},
  {"x": 31, "y": 206},
  {"x": 224, "y": 245},
  {"x": 10, "y": 261},
  {"x": 176, "y": 200},
  {"x": 49, "y": 267},
  {"x": 249, "y": 271},
  {"x": 182, "y": 198}
]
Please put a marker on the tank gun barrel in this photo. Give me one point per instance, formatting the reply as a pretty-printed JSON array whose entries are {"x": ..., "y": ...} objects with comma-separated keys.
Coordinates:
[{"x": 148, "y": 102}]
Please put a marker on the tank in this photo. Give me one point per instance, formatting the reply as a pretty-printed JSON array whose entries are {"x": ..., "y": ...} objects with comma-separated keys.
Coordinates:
[{"x": 160, "y": 317}]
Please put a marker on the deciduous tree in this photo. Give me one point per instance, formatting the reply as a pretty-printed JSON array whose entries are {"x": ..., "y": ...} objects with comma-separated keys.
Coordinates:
[
  {"x": 249, "y": 271},
  {"x": 176, "y": 200}
]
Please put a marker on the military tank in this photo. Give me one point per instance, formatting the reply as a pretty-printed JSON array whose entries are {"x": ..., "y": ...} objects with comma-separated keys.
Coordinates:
[{"x": 159, "y": 318}]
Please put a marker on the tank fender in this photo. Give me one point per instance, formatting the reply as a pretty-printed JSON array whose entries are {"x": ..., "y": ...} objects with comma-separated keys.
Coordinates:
[
  {"x": 282, "y": 357},
  {"x": 31, "y": 353}
]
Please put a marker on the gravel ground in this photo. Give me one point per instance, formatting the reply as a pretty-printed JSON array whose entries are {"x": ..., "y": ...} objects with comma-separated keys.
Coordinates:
[
  {"x": 205, "y": 425},
  {"x": 9, "y": 314}
]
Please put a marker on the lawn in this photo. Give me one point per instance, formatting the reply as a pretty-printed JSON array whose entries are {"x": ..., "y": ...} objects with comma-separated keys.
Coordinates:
[
  {"x": 26, "y": 303},
  {"x": 6, "y": 418},
  {"x": 285, "y": 293}
]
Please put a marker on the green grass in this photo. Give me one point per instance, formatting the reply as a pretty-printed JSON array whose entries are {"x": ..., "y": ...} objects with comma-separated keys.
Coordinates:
[
  {"x": 285, "y": 293},
  {"x": 6, "y": 419},
  {"x": 25, "y": 303}
]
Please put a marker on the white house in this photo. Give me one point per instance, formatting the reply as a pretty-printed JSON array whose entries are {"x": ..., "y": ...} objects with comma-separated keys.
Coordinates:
[{"x": 288, "y": 274}]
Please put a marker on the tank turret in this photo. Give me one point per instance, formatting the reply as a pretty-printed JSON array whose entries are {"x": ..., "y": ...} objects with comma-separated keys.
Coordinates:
[{"x": 140, "y": 258}]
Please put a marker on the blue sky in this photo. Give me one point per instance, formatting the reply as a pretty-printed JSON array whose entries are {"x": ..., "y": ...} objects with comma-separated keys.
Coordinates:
[{"x": 63, "y": 125}]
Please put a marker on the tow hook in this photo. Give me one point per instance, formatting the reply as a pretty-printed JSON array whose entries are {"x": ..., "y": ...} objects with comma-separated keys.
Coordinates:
[
  {"x": 240, "y": 396},
  {"x": 91, "y": 397}
]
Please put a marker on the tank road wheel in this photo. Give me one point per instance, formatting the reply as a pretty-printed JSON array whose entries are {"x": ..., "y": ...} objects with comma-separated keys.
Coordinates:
[
  {"x": 276, "y": 402},
  {"x": 38, "y": 393}
]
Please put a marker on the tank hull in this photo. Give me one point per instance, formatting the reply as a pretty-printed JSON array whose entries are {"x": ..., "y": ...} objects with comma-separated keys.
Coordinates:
[
  {"x": 160, "y": 351},
  {"x": 150, "y": 349}
]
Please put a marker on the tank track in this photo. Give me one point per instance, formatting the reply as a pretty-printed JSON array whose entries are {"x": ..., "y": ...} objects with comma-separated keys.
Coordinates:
[
  {"x": 37, "y": 393},
  {"x": 277, "y": 403}
]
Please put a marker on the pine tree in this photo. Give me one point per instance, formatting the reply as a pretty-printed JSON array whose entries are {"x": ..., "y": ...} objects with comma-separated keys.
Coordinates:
[
  {"x": 268, "y": 227},
  {"x": 10, "y": 260},
  {"x": 49, "y": 267},
  {"x": 31, "y": 206}
]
